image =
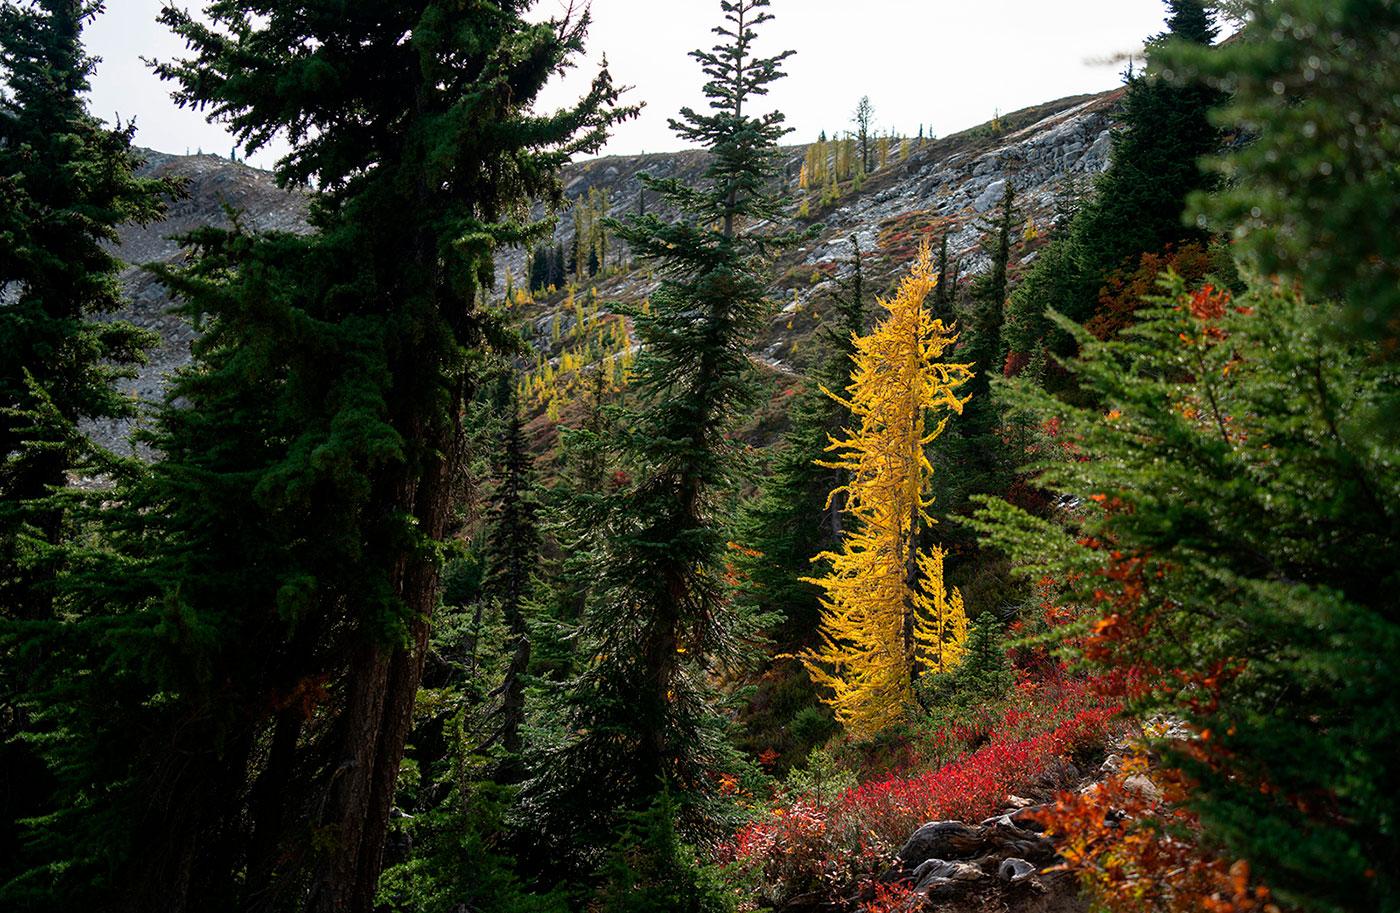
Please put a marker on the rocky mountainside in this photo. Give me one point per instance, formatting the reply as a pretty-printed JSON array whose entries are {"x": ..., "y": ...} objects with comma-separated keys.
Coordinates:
[
  {"x": 940, "y": 186},
  {"x": 216, "y": 188}
]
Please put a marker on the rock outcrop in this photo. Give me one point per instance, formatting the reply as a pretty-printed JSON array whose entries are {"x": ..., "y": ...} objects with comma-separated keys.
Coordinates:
[{"x": 943, "y": 185}]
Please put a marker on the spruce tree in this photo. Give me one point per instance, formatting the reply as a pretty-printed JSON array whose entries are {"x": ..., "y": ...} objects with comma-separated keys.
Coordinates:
[
  {"x": 980, "y": 460},
  {"x": 989, "y": 291},
  {"x": 539, "y": 269},
  {"x": 641, "y": 715},
  {"x": 236, "y": 672},
  {"x": 985, "y": 673},
  {"x": 558, "y": 273},
  {"x": 67, "y": 182},
  {"x": 945, "y": 293},
  {"x": 513, "y": 542},
  {"x": 1312, "y": 193},
  {"x": 1226, "y": 531},
  {"x": 795, "y": 515}
]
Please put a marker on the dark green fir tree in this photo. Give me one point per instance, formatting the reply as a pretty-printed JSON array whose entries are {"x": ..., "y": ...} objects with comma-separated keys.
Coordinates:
[
  {"x": 539, "y": 269},
  {"x": 641, "y": 716},
  {"x": 974, "y": 458},
  {"x": 1237, "y": 549},
  {"x": 234, "y": 678},
  {"x": 795, "y": 516},
  {"x": 981, "y": 329},
  {"x": 513, "y": 547},
  {"x": 946, "y": 292},
  {"x": 67, "y": 181},
  {"x": 1312, "y": 193}
]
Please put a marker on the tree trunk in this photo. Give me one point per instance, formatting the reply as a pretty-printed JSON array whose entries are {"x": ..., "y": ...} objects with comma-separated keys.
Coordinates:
[{"x": 383, "y": 680}]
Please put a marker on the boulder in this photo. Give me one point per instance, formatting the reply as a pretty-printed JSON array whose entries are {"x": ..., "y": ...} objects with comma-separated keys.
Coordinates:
[
  {"x": 990, "y": 197},
  {"x": 1143, "y": 787}
]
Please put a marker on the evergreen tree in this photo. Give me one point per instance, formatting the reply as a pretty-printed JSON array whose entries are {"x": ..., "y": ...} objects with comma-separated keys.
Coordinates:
[
  {"x": 640, "y": 715},
  {"x": 864, "y": 119},
  {"x": 649, "y": 870},
  {"x": 234, "y": 678},
  {"x": 539, "y": 269},
  {"x": 1138, "y": 204},
  {"x": 578, "y": 248},
  {"x": 1312, "y": 194},
  {"x": 1227, "y": 534},
  {"x": 945, "y": 292},
  {"x": 979, "y": 459},
  {"x": 601, "y": 201},
  {"x": 513, "y": 543},
  {"x": 558, "y": 270},
  {"x": 574, "y": 505},
  {"x": 983, "y": 676},
  {"x": 989, "y": 293},
  {"x": 795, "y": 516},
  {"x": 985, "y": 673},
  {"x": 66, "y": 183}
]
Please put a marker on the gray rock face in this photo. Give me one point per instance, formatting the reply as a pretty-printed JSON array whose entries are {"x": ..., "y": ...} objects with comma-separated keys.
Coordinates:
[
  {"x": 213, "y": 184},
  {"x": 946, "y": 184},
  {"x": 991, "y": 196}
]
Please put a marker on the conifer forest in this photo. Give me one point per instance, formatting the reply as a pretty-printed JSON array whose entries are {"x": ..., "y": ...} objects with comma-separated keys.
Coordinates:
[{"x": 453, "y": 516}]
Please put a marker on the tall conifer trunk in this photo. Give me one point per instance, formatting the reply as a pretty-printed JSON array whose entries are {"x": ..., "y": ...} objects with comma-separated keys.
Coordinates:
[{"x": 260, "y": 670}]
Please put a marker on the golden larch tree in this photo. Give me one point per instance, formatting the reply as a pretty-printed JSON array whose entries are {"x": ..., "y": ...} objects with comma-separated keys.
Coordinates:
[{"x": 885, "y": 610}]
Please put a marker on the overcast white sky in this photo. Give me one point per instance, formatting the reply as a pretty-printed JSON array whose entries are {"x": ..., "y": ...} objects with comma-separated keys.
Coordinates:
[{"x": 948, "y": 64}]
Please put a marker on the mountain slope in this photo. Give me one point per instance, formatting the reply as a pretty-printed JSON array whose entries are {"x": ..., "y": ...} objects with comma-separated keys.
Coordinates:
[{"x": 941, "y": 185}]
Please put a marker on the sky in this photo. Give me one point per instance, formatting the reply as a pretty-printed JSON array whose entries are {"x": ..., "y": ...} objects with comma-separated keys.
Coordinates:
[{"x": 945, "y": 64}]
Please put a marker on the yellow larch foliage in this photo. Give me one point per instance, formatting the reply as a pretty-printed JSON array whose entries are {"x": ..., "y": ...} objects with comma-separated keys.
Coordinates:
[{"x": 885, "y": 610}]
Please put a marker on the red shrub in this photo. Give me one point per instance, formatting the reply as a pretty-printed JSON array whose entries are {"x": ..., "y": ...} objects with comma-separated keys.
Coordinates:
[{"x": 830, "y": 846}]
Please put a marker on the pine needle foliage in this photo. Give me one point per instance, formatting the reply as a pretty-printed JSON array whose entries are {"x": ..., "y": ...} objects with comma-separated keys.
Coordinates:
[
  {"x": 658, "y": 621},
  {"x": 886, "y": 611},
  {"x": 234, "y": 675},
  {"x": 1229, "y": 523},
  {"x": 513, "y": 546},
  {"x": 794, "y": 516},
  {"x": 1154, "y": 165},
  {"x": 67, "y": 182},
  {"x": 1313, "y": 193}
]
